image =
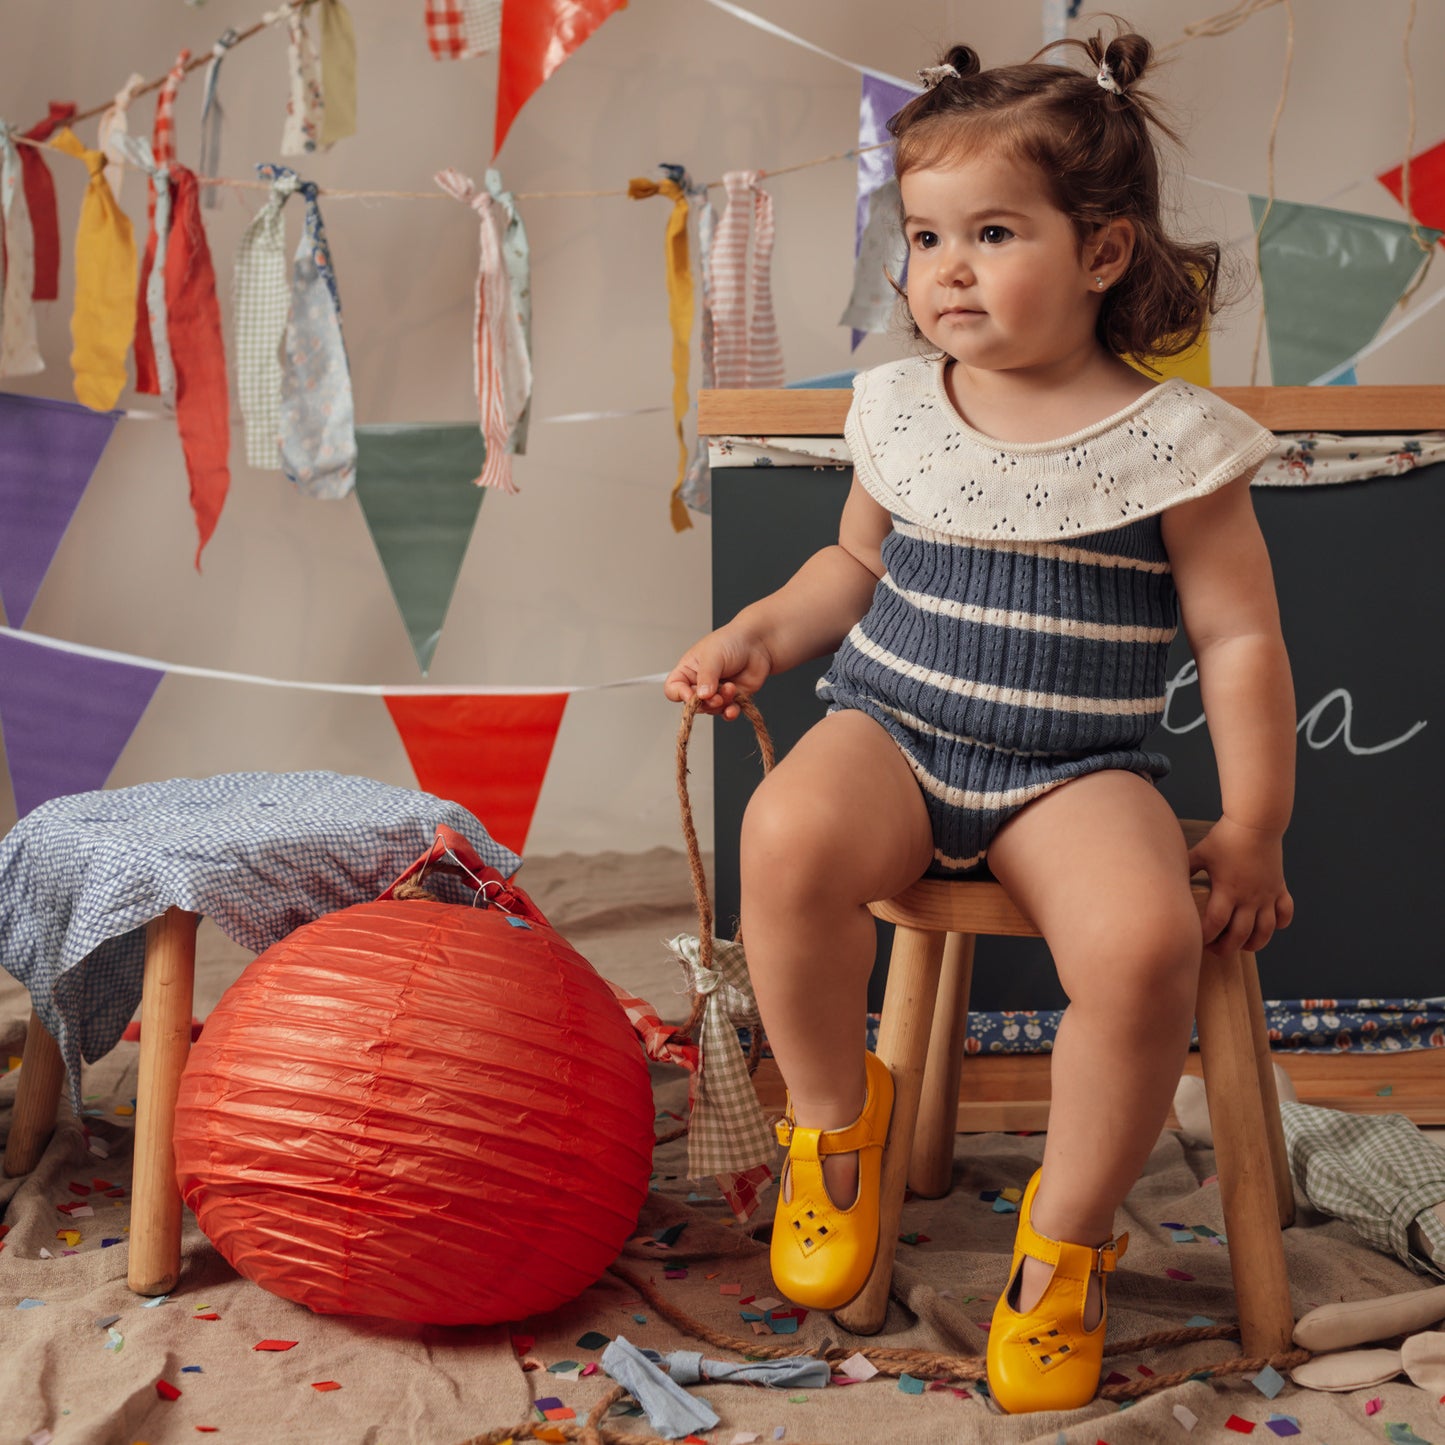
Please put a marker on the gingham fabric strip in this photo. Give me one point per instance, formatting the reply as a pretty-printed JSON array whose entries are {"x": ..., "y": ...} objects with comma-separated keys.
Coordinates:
[
  {"x": 114, "y": 124},
  {"x": 212, "y": 117},
  {"x": 261, "y": 292},
  {"x": 40, "y": 201},
  {"x": 679, "y": 313},
  {"x": 203, "y": 407},
  {"x": 163, "y": 149},
  {"x": 306, "y": 102},
  {"x": 746, "y": 351},
  {"x": 338, "y": 73},
  {"x": 697, "y": 483},
  {"x": 317, "y": 418},
  {"x": 152, "y": 313},
  {"x": 103, "y": 321},
  {"x": 461, "y": 29},
  {"x": 19, "y": 351},
  {"x": 258, "y": 853},
  {"x": 728, "y": 1131},
  {"x": 502, "y": 368}
]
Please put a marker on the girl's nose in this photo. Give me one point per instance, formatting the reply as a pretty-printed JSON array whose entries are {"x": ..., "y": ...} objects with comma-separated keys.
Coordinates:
[{"x": 954, "y": 268}]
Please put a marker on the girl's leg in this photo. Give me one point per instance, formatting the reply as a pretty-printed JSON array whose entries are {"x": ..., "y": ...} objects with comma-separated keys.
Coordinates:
[
  {"x": 1100, "y": 866},
  {"x": 838, "y": 823}
]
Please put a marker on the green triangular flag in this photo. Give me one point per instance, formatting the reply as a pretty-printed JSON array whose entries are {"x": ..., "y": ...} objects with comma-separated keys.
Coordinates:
[
  {"x": 417, "y": 489},
  {"x": 1330, "y": 279}
]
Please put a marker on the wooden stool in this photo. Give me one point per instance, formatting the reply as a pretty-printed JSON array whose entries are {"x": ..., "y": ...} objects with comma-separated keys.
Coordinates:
[
  {"x": 165, "y": 1041},
  {"x": 921, "y": 1037}
]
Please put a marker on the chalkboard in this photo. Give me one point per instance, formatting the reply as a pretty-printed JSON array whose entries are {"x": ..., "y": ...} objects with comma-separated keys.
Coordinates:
[{"x": 1357, "y": 570}]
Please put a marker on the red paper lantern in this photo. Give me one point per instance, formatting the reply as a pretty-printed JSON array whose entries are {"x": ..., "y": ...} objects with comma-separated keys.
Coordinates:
[{"x": 421, "y": 1111}]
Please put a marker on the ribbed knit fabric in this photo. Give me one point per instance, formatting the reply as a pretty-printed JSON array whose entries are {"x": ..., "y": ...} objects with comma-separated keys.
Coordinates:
[{"x": 1005, "y": 665}]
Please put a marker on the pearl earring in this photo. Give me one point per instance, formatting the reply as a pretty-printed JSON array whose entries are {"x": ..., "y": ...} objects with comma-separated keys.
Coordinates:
[{"x": 1099, "y": 281}]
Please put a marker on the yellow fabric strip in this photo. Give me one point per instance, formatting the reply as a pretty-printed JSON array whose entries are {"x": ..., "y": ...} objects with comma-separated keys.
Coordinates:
[
  {"x": 679, "y": 313},
  {"x": 338, "y": 72},
  {"x": 103, "y": 323}
]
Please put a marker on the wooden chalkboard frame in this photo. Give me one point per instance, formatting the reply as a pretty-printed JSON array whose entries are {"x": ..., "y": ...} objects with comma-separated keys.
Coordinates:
[{"x": 1011, "y": 1091}]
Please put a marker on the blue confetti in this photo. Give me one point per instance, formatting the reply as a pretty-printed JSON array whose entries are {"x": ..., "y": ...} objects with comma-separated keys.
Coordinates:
[
  {"x": 1269, "y": 1382},
  {"x": 1195, "y": 1322}
]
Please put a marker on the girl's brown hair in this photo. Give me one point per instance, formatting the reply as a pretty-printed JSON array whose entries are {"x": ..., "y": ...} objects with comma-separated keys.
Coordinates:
[{"x": 1095, "y": 148}]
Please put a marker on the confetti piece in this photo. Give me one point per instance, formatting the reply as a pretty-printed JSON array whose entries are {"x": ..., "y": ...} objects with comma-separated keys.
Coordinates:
[
  {"x": 590, "y": 1369},
  {"x": 154, "y": 1301},
  {"x": 909, "y": 1385},
  {"x": 1283, "y": 1424},
  {"x": 31, "y": 1304},
  {"x": 107, "y": 1243},
  {"x": 1245, "y": 1427},
  {"x": 207, "y": 1429},
  {"x": 639, "y": 1319},
  {"x": 1178, "y": 1274},
  {"x": 1385, "y": 1091},
  {"x": 555, "y": 1436},
  {"x": 1013, "y": 1195},
  {"x": 1269, "y": 1382},
  {"x": 778, "y": 1432},
  {"x": 915, "y": 1239},
  {"x": 115, "y": 1341},
  {"x": 14, "y": 1064},
  {"x": 730, "y": 1289},
  {"x": 167, "y": 1391},
  {"x": 987, "y": 1196},
  {"x": 98, "y": 1147},
  {"x": 1146, "y": 1371},
  {"x": 191, "y": 1370},
  {"x": 1186, "y": 1416},
  {"x": 325, "y": 1385},
  {"x": 563, "y": 1367},
  {"x": 1373, "y": 1407},
  {"x": 68, "y": 1236},
  {"x": 1003, "y": 1206},
  {"x": 522, "y": 1343},
  {"x": 770, "y": 1303},
  {"x": 745, "y": 1437},
  {"x": 1402, "y": 1434},
  {"x": 594, "y": 1340},
  {"x": 783, "y": 1324},
  {"x": 517, "y": 922},
  {"x": 671, "y": 1234},
  {"x": 560, "y": 1412},
  {"x": 275, "y": 1345},
  {"x": 674, "y": 1274},
  {"x": 856, "y": 1367},
  {"x": 104, "y": 1322},
  {"x": 76, "y": 1187},
  {"x": 1205, "y": 1232},
  {"x": 211, "y": 1315},
  {"x": 797, "y": 1399},
  {"x": 1184, "y": 1236},
  {"x": 759, "y": 1328},
  {"x": 124, "y": 1111},
  {"x": 82, "y": 1211},
  {"x": 547, "y": 1402},
  {"x": 1115, "y": 1378},
  {"x": 1198, "y": 1322}
]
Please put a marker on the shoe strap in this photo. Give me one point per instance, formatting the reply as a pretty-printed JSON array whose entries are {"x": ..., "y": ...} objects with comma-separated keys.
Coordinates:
[
  {"x": 814, "y": 1143},
  {"x": 1076, "y": 1260}
]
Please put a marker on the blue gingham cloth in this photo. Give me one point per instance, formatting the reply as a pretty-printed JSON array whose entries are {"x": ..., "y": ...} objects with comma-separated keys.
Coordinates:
[{"x": 259, "y": 853}]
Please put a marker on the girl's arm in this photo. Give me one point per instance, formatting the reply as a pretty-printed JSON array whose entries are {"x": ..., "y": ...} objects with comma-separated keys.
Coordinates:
[
  {"x": 805, "y": 618},
  {"x": 1231, "y": 617}
]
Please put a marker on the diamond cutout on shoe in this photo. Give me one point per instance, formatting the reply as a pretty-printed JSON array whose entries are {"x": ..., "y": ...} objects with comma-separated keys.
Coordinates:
[{"x": 1042, "y": 1348}]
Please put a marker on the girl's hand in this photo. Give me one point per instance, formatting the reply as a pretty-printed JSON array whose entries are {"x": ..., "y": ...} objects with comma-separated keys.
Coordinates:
[
  {"x": 719, "y": 667},
  {"x": 1248, "y": 899}
]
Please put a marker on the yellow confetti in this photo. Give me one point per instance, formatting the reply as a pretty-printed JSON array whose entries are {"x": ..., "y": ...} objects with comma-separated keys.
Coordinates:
[
  {"x": 68, "y": 1236},
  {"x": 125, "y": 1110},
  {"x": 1012, "y": 1195},
  {"x": 14, "y": 1062}
]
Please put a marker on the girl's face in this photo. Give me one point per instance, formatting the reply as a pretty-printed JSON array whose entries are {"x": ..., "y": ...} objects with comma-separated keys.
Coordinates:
[{"x": 997, "y": 276}]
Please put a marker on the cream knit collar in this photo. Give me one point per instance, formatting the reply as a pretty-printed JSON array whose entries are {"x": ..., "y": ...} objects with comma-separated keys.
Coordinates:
[{"x": 920, "y": 459}]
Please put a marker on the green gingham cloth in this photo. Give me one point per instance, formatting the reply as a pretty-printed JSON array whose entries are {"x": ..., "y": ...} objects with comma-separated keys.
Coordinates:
[
  {"x": 258, "y": 853},
  {"x": 1377, "y": 1172}
]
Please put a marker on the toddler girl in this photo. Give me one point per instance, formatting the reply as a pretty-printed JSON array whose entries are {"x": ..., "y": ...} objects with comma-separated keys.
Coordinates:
[{"x": 1028, "y": 520}]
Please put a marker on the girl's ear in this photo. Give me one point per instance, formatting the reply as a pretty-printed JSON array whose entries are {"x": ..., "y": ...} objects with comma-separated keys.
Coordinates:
[{"x": 1109, "y": 249}]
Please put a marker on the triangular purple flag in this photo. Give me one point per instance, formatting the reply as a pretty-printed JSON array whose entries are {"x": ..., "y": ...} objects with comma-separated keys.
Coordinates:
[
  {"x": 48, "y": 450},
  {"x": 66, "y": 717},
  {"x": 879, "y": 102}
]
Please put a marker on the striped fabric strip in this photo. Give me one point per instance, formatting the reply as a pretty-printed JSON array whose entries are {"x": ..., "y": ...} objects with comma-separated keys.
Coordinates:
[
  {"x": 148, "y": 378},
  {"x": 746, "y": 350},
  {"x": 19, "y": 350}
]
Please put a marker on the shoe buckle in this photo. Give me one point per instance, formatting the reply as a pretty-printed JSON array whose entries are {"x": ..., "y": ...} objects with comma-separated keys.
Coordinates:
[
  {"x": 1106, "y": 1257},
  {"x": 783, "y": 1131}
]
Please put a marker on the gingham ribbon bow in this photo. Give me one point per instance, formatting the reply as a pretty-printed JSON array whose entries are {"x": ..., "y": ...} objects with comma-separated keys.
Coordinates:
[
  {"x": 136, "y": 151},
  {"x": 261, "y": 293},
  {"x": 746, "y": 351},
  {"x": 19, "y": 353},
  {"x": 502, "y": 356},
  {"x": 728, "y": 1132}
]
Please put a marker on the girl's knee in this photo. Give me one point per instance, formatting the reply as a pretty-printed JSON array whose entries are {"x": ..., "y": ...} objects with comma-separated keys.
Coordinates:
[{"x": 1149, "y": 963}]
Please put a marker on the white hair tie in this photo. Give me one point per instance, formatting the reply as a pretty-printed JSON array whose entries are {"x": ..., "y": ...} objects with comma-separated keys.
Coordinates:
[
  {"x": 931, "y": 75},
  {"x": 1106, "y": 79}
]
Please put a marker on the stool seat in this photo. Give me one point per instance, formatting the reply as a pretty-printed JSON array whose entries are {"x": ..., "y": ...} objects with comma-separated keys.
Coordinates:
[{"x": 921, "y": 1036}]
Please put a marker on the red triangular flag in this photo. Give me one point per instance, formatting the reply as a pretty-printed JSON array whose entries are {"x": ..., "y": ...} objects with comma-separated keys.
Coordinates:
[
  {"x": 1427, "y": 186},
  {"x": 40, "y": 201},
  {"x": 489, "y": 754},
  {"x": 536, "y": 38}
]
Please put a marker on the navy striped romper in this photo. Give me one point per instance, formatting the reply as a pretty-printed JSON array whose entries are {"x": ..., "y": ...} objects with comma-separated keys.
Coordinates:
[{"x": 1019, "y": 635}]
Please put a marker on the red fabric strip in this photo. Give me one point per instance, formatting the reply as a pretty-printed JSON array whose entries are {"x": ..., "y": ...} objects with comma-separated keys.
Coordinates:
[{"x": 40, "y": 199}]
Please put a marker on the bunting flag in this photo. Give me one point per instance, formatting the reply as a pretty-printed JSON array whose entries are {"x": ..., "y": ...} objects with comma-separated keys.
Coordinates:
[
  {"x": 338, "y": 73},
  {"x": 879, "y": 101},
  {"x": 415, "y": 487},
  {"x": 19, "y": 351},
  {"x": 306, "y": 103},
  {"x": 1427, "y": 186},
  {"x": 502, "y": 363},
  {"x": 213, "y": 115},
  {"x": 1330, "y": 278},
  {"x": 536, "y": 38},
  {"x": 104, "y": 318},
  {"x": 489, "y": 754},
  {"x": 746, "y": 351},
  {"x": 114, "y": 124},
  {"x": 66, "y": 718},
  {"x": 679, "y": 312},
  {"x": 148, "y": 378},
  {"x": 40, "y": 201},
  {"x": 882, "y": 253},
  {"x": 1192, "y": 365},
  {"x": 48, "y": 453},
  {"x": 193, "y": 324},
  {"x": 317, "y": 417},
  {"x": 461, "y": 29}
]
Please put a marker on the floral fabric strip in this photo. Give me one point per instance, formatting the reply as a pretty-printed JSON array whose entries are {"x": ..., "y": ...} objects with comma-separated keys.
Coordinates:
[
  {"x": 40, "y": 201},
  {"x": 746, "y": 351},
  {"x": 262, "y": 293},
  {"x": 317, "y": 417},
  {"x": 152, "y": 311},
  {"x": 307, "y": 102},
  {"x": 19, "y": 352},
  {"x": 148, "y": 377}
]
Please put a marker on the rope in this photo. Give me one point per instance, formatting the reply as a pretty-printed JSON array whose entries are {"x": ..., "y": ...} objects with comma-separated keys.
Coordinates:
[
  {"x": 1416, "y": 234},
  {"x": 1269, "y": 162}
]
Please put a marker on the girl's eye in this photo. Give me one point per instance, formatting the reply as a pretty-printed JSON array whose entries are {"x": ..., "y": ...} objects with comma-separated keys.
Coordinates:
[
  {"x": 925, "y": 240},
  {"x": 992, "y": 235}
]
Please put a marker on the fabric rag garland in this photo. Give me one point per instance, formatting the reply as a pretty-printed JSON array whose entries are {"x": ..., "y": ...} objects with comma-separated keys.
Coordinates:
[
  {"x": 103, "y": 321},
  {"x": 503, "y": 362},
  {"x": 461, "y": 29},
  {"x": 151, "y": 310},
  {"x": 697, "y": 484},
  {"x": 261, "y": 293},
  {"x": 746, "y": 352},
  {"x": 114, "y": 124},
  {"x": 40, "y": 201},
  {"x": 212, "y": 116},
  {"x": 882, "y": 252},
  {"x": 306, "y": 104},
  {"x": 338, "y": 73},
  {"x": 150, "y": 379},
  {"x": 679, "y": 312},
  {"x": 19, "y": 352},
  {"x": 317, "y": 417}
]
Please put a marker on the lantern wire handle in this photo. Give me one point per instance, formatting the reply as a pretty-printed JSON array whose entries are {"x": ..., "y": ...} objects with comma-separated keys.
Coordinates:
[{"x": 481, "y": 897}]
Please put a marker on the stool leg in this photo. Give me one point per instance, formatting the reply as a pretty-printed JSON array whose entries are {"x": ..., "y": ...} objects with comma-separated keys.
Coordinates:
[
  {"x": 165, "y": 1040},
  {"x": 42, "y": 1071},
  {"x": 930, "y": 1172},
  {"x": 1269, "y": 1092},
  {"x": 1242, "y": 1154},
  {"x": 913, "y": 971}
]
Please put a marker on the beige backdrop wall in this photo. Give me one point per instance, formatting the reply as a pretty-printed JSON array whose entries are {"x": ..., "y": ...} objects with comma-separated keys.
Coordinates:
[{"x": 579, "y": 579}]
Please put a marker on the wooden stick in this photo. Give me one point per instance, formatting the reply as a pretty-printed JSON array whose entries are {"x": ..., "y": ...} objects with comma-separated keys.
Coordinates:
[
  {"x": 930, "y": 1172},
  {"x": 165, "y": 1040},
  {"x": 42, "y": 1071},
  {"x": 1269, "y": 1092}
]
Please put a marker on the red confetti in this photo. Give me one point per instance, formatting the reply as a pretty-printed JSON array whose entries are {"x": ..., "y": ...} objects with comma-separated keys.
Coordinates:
[
  {"x": 207, "y": 1429},
  {"x": 1145, "y": 1370},
  {"x": 275, "y": 1345},
  {"x": 211, "y": 1316},
  {"x": 69, "y": 1208},
  {"x": 523, "y": 1343},
  {"x": 1245, "y": 1427},
  {"x": 325, "y": 1385},
  {"x": 79, "y": 1188},
  {"x": 1117, "y": 1379},
  {"x": 167, "y": 1391},
  {"x": 101, "y": 1184},
  {"x": 1178, "y": 1274},
  {"x": 4, "y": 1230}
]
